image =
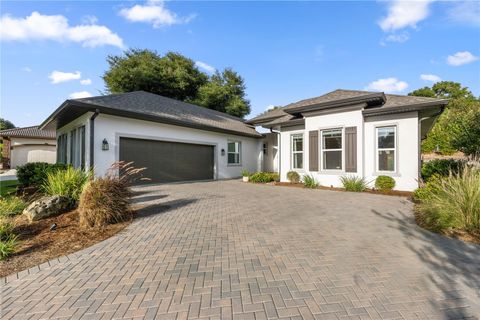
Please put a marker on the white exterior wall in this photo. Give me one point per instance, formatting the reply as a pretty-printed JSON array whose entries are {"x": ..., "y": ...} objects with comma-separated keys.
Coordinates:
[
  {"x": 407, "y": 150},
  {"x": 406, "y": 175},
  {"x": 26, "y": 150},
  {"x": 113, "y": 127}
]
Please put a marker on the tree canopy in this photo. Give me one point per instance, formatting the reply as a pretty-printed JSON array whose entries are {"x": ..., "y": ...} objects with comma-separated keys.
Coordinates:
[
  {"x": 5, "y": 124},
  {"x": 458, "y": 127},
  {"x": 176, "y": 76}
]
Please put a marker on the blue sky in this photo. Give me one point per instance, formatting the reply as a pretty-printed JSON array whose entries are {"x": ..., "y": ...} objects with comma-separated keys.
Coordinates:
[{"x": 286, "y": 51}]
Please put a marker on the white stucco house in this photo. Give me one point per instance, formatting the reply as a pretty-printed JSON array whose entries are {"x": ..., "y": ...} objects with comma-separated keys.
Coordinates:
[
  {"x": 343, "y": 132},
  {"x": 28, "y": 144}
]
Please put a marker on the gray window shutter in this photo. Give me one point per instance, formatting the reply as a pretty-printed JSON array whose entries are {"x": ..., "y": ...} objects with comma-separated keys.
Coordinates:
[
  {"x": 351, "y": 149},
  {"x": 313, "y": 150}
]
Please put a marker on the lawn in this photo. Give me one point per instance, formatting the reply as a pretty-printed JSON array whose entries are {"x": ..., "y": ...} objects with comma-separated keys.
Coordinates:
[{"x": 7, "y": 187}]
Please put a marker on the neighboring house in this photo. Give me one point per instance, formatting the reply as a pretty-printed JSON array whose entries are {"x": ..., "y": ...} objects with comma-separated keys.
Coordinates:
[
  {"x": 29, "y": 144},
  {"x": 347, "y": 132},
  {"x": 343, "y": 132},
  {"x": 174, "y": 140}
]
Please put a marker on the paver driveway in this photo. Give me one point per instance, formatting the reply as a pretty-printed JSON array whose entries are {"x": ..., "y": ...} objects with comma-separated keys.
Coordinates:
[{"x": 228, "y": 249}]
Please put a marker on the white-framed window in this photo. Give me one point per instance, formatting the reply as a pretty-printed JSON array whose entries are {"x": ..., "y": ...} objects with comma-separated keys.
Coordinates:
[
  {"x": 62, "y": 148},
  {"x": 332, "y": 149},
  {"x": 265, "y": 148},
  {"x": 386, "y": 148},
  {"x": 297, "y": 151},
  {"x": 77, "y": 147},
  {"x": 234, "y": 152}
]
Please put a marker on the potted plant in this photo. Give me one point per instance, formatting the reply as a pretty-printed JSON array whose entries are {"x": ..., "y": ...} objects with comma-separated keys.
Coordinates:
[{"x": 245, "y": 175}]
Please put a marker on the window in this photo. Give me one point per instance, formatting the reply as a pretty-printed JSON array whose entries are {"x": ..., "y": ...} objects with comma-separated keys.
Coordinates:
[
  {"x": 386, "y": 148},
  {"x": 265, "y": 148},
  {"x": 62, "y": 148},
  {"x": 234, "y": 152},
  {"x": 297, "y": 151},
  {"x": 77, "y": 147},
  {"x": 332, "y": 149}
]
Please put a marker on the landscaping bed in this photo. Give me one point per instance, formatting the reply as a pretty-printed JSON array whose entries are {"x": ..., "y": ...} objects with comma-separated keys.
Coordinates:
[
  {"x": 38, "y": 244},
  {"x": 397, "y": 193}
]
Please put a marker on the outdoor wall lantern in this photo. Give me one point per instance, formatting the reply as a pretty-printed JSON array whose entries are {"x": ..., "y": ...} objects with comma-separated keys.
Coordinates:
[
  {"x": 105, "y": 146},
  {"x": 223, "y": 152}
]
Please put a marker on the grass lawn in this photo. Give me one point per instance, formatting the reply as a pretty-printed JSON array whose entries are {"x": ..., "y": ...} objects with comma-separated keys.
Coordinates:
[{"x": 7, "y": 187}]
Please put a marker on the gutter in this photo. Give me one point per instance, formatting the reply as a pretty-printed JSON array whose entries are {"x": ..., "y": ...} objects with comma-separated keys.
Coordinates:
[
  {"x": 92, "y": 139},
  {"x": 279, "y": 152}
]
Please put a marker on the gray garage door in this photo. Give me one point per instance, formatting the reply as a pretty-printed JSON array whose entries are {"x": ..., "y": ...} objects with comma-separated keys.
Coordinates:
[{"x": 169, "y": 161}]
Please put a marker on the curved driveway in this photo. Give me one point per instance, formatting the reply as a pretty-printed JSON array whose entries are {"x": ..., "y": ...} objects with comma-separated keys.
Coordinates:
[{"x": 224, "y": 250}]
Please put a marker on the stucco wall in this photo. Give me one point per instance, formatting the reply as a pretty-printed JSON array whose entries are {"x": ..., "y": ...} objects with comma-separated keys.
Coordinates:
[
  {"x": 26, "y": 150},
  {"x": 406, "y": 175},
  {"x": 113, "y": 127}
]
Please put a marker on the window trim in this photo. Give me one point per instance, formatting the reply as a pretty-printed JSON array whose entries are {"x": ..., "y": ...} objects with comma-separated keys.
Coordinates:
[
  {"x": 395, "y": 149},
  {"x": 294, "y": 152},
  {"x": 77, "y": 146},
  {"x": 239, "y": 153},
  {"x": 322, "y": 130}
]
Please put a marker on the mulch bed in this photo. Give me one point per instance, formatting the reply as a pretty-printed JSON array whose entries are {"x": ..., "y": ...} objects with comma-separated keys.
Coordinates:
[
  {"x": 38, "y": 244},
  {"x": 388, "y": 193}
]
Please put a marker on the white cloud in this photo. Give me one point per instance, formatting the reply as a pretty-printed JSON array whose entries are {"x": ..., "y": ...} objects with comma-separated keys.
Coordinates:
[
  {"x": 55, "y": 27},
  {"x": 204, "y": 66},
  {"x": 155, "y": 13},
  {"x": 430, "y": 77},
  {"x": 460, "y": 58},
  {"x": 465, "y": 12},
  {"x": 26, "y": 69},
  {"x": 80, "y": 94},
  {"x": 270, "y": 107},
  {"x": 402, "y": 14},
  {"x": 387, "y": 85},
  {"x": 402, "y": 37},
  {"x": 85, "y": 82},
  {"x": 59, "y": 76}
]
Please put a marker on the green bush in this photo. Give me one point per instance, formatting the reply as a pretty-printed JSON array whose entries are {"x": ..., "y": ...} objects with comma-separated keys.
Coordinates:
[
  {"x": 353, "y": 183},
  {"x": 264, "y": 177},
  {"x": 68, "y": 183},
  {"x": 10, "y": 206},
  {"x": 35, "y": 173},
  {"x": 453, "y": 201},
  {"x": 245, "y": 173},
  {"x": 293, "y": 176},
  {"x": 8, "y": 240},
  {"x": 441, "y": 167},
  {"x": 310, "y": 182},
  {"x": 384, "y": 183}
]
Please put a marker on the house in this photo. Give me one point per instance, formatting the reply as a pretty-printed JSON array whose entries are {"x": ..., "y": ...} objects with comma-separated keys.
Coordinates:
[
  {"x": 174, "y": 140},
  {"x": 343, "y": 132},
  {"x": 349, "y": 132},
  {"x": 29, "y": 144}
]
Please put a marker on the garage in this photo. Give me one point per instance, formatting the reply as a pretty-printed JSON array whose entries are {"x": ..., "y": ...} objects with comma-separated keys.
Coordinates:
[{"x": 168, "y": 161}]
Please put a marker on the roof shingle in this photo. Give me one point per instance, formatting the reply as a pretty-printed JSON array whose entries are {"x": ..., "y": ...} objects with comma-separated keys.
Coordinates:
[{"x": 28, "y": 132}]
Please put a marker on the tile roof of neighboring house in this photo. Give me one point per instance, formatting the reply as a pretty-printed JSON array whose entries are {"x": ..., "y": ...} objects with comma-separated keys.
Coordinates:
[
  {"x": 28, "y": 132},
  {"x": 153, "y": 107},
  {"x": 383, "y": 102}
]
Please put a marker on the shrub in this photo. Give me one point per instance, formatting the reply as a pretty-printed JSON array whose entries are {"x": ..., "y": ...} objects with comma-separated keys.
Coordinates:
[
  {"x": 245, "y": 173},
  {"x": 68, "y": 183},
  {"x": 10, "y": 206},
  {"x": 384, "y": 183},
  {"x": 34, "y": 173},
  {"x": 310, "y": 182},
  {"x": 8, "y": 240},
  {"x": 264, "y": 177},
  {"x": 293, "y": 176},
  {"x": 441, "y": 167},
  {"x": 6, "y": 229},
  {"x": 353, "y": 183},
  {"x": 106, "y": 200},
  {"x": 453, "y": 201}
]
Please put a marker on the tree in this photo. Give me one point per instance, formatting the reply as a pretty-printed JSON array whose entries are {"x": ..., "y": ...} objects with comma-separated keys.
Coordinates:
[
  {"x": 224, "y": 92},
  {"x": 172, "y": 75},
  {"x": 5, "y": 124},
  {"x": 456, "y": 128}
]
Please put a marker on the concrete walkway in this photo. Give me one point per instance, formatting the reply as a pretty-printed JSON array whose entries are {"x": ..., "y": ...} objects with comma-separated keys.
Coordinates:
[{"x": 223, "y": 250}]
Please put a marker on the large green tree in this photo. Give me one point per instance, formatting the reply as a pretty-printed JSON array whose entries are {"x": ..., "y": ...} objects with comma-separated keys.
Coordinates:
[
  {"x": 458, "y": 127},
  {"x": 176, "y": 76},
  {"x": 5, "y": 124}
]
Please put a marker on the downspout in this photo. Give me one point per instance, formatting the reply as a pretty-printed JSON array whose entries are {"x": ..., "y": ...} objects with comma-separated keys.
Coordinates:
[
  {"x": 279, "y": 153},
  {"x": 92, "y": 140}
]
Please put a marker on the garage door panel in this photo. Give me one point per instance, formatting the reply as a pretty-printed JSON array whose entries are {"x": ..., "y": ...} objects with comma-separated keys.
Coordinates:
[{"x": 169, "y": 161}]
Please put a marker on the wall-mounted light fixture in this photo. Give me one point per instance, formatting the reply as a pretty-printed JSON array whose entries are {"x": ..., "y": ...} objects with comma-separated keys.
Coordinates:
[
  {"x": 223, "y": 152},
  {"x": 105, "y": 145}
]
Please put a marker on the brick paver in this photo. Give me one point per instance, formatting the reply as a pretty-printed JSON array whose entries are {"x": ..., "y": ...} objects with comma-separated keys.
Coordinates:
[{"x": 228, "y": 250}]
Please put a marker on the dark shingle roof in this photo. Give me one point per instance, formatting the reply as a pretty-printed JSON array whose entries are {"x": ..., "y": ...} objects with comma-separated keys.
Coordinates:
[
  {"x": 157, "y": 108},
  {"x": 333, "y": 96},
  {"x": 28, "y": 132}
]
